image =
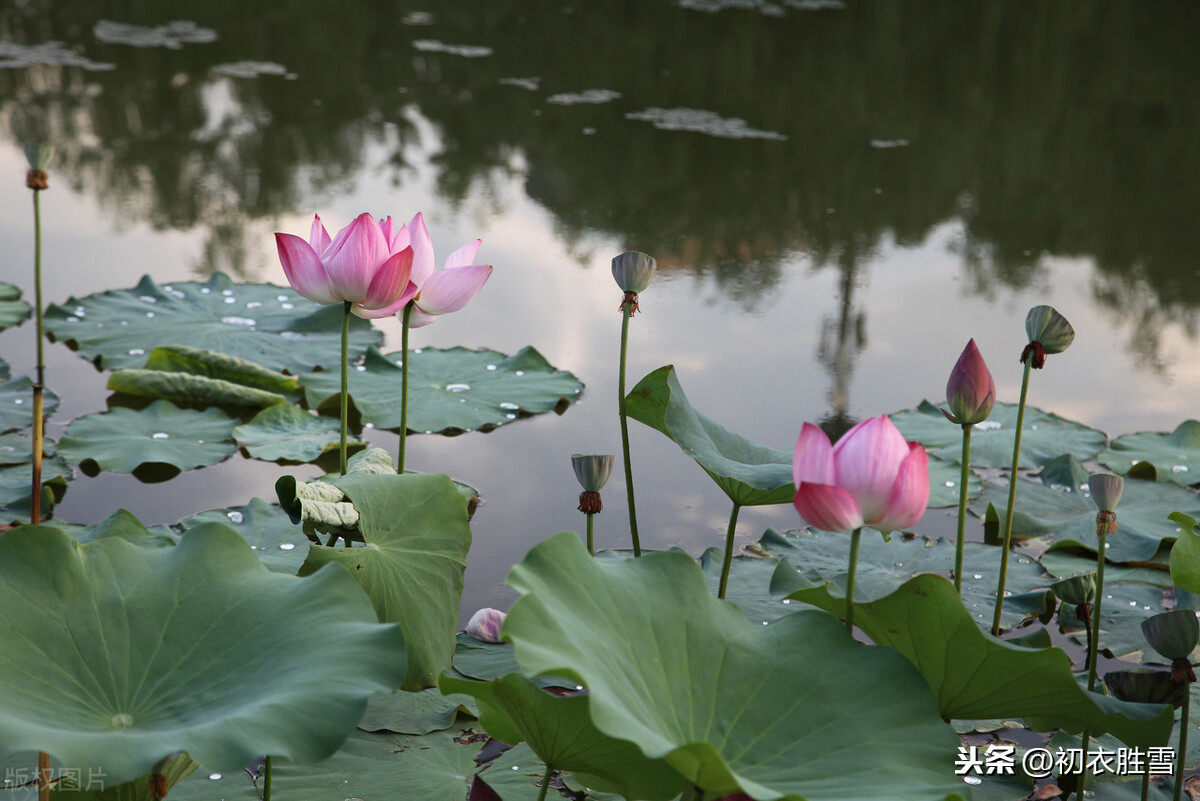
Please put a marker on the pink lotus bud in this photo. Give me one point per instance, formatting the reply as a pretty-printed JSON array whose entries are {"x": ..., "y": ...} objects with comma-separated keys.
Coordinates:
[
  {"x": 485, "y": 624},
  {"x": 970, "y": 392}
]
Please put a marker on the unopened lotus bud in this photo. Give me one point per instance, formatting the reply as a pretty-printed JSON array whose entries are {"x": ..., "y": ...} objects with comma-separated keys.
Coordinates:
[
  {"x": 592, "y": 471},
  {"x": 1173, "y": 634},
  {"x": 1106, "y": 490},
  {"x": 1076, "y": 590},
  {"x": 633, "y": 270},
  {"x": 970, "y": 392},
  {"x": 1048, "y": 332},
  {"x": 485, "y": 625}
]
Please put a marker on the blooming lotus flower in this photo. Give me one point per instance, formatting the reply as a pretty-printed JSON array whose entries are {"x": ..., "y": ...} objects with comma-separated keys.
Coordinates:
[
  {"x": 368, "y": 263},
  {"x": 871, "y": 477},
  {"x": 485, "y": 624},
  {"x": 970, "y": 392},
  {"x": 448, "y": 289}
]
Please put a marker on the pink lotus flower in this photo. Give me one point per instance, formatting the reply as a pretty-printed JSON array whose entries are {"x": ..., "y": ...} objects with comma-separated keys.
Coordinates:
[
  {"x": 871, "y": 477},
  {"x": 970, "y": 392},
  {"x": 446, "y": 290},
  {"x": 485, "y": 624},
  {"x": 368, "y": 263}
]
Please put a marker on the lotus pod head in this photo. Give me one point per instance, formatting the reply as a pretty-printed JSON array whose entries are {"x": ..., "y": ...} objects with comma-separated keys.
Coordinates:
[
  {"x": 39, "y": 156},
  {"x": 1045, "y": 325},
  {"x": 592, "y": 470},
  {"x": 1106, "y": 490},
  {"x": 1173, "y": 634},
  {"x": 633, "y": 270},
  {"x": 1076, "y": 590}
]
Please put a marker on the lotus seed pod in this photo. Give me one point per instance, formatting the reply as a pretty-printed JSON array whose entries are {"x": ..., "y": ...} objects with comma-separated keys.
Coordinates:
[
  {"x": 485, "y": 625},
  {"x": 1173, "y": 634},
  {"x": 1076, "y": 590},
  {"x": 633, "y": 270},
  {"x": 1046, "y": 326},
  {"x": 39, "y": 156},
  {"x": 592, "y": 471},
  {"x": 1106, "y": 490}
]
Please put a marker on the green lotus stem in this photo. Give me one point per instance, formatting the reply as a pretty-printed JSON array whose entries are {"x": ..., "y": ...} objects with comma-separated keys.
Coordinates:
[
  {"x": 590, "y": 544},
  {"x": 728, "y": 560},
  {"x": 637, "y": 545},
  {"x": 1146, "y": 786},
  {"x": 266, "y": 796},
  {"x": 1012, "y": 499},
  {"x": 545, "y": 783},
  {"x": 962, "y": 507},
  {"x": 35, "y": 498},
  {"x": 346, "y": 306},
  {"x": 854, "y": 535},
  {"x": 403, "y": 384},
  {"x": 1093, "y": 642},
  {"x": 1183, "y": 727},
  {"x": 37, "y": 282}
]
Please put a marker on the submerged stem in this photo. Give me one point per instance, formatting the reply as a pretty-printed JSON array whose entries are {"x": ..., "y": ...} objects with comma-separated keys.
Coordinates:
[
  {"x": 633, "y": 531},
  {"x": 854, "y": 535},
  {"x": 346, "y": 306},
  {"x": 728, "y": 560},
  {"x": 1012, "y": 499},
  {"x": 962, "y": 507},
  {"x": 403, "y": 384}
]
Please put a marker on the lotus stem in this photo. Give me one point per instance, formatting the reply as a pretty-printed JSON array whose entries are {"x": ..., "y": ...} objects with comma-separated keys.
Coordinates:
[
  {"x": 1146, "y": 786},
  {"x": 590, "y": 543},
  {"x": 404, "y": 325},
  {"x": 346, "y": 306},
  {"x": 962, "y": 507},
  {"x": 35, "y": 497},
  {"x": 854, "y": 536},
  {"x": 1093, "y": 643},
  {"x": 1012, "y": 499},
  {"x": 727, "y": 562},
  {"x": 633, "y": 531},
  {"x": 1183, "y": 727},
  {"x": 43, "y": 776},
  {"x": 545, "y": 783},
  {"x": 266, "y": 796},
  {"x": 37, "y": 282}
]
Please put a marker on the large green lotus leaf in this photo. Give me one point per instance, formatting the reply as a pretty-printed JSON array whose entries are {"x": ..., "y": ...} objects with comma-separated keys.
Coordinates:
[
  {"x": 749, "y": 585},
  {"x": 119, "y": 655},
  {"x": 18, "y": 448},
  {"x": 262, "y": 323},
  {"x": 795, "y": 709},
  {"x": 417, "y": 536},
  {"x": 374, "y": 767},
  {"x": 1175, "y": 456},
  {"x": 944, "y": 478},
  {"x": 977, "y": 676},
  {"x": 16, "y": 481},
  {"x": 560, "y": 731},
  {"x": 1043, "y": 436},
  {"x": 414, "y": 713},
  {"x": 278, "y": 542},
  {"x": 1062, "y": 563},
  {"x": 483, "y": 660},
  {"x": 12, "y": 309},
  {"x": 123, "y": 440},
  {"x": 77, "y": 784},
  {"x": 183, "y": 374},
  {"x": 883, "y": 566},
  {"x": 749, "y": 473},
  {"x": 123, "y": 525},
  {"x": 1060, "y": 512},
  {"x": 450, "y": 390},
  {"x": 1185, "y": 554},
  {"x": 16, "y": 403},
  {"x": 290, "y": 435}
]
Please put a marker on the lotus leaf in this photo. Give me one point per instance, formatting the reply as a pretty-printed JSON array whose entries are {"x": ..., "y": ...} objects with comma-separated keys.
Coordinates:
[
  {"x": 560, "y": 731},
  {"x": 943, "y": 483},
  {"x": 16, "y": 481},
  {"x": 127, "y": 441},
  {"x": 414, "y": 713},
  {"x": 1063, "y": 562},
  {"x": 977, "y": 676},
  {"x": 1122, "y": 611},
  {"x": 16, "y": 404},
  {"x": 1058, "y": 510},
  {"x": 417, "y": 535},
  {"x": 749, "y": 473},
  {"x": 124, "y": 525},
  {"x": 4, "y": 370},
  {"x": 203, "y": 651},
  {"x": 688, "y": 679},
  {"x": 1185, "y": 555},
  {"x": 1044, "y": 436},
  {"x": 12, "y": 309},
  {"x": 278, "y": 542},
  {"x": 262, "y": 323},
  {"x": 197, "y": 376},
  {"x": 450, "y": 390},
  {"x": 288, "y": 434},
  {"x": 1175, "y": 457}
]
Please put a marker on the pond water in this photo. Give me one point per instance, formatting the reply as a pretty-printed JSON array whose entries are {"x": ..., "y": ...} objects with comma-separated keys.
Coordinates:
[{"x": 839, "y": 195}]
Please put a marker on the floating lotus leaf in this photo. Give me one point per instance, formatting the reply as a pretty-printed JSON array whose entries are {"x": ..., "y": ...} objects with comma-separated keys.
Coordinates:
[
  {"x": 18, "y": 448},
  {"x": 450, "y": 390},
  {"x": 1062, "y": 563},
  {"x": 12, "y": 309},
  {"x": 1185, "y": 555},
  {"x": 1044, "y": 436},
  {"x": 1175, "y": 457},
  {"x": 749, "y": 585},
  {"x": 414, "y": 713},
  {"x": 16, "y": 482},
  {"x": 560, "y": 731},
  {"x": 1058, "y": 510},
  {"x": 123, "y": 440},
  {"x": 123, "y": 525},
  {"x": 417, "y": 535},
  {"x": 689, "y": 680},
  {"x": 262, "y": 323},
  {"x": 203, "y": 651},
  {"x": 290, "y": 435},
  {"x": 1124, "y": 607},
  {"x": 749, "y": 473},
  {"x": 884, "y": 566},
  {"x": 278, "y": 542},
  {"x": 977, "y": 676},
  {"x": 16, "y": 403},
  {"x": 483, "y": 660},
  {"x": 943, "y": 483}
]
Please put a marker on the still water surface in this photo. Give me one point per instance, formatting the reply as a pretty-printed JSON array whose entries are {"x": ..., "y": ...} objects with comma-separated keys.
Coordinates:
[{"x": 839, "y": 195}]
